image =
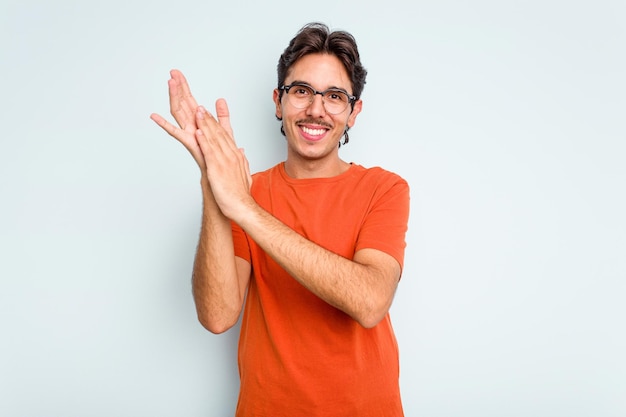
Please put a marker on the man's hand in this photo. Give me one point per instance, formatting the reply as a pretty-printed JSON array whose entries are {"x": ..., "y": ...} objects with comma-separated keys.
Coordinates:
[
  {"x": 183, "y": 107},
  {"x": 227, "y": 168},
  {"x": 211, "y": 143}
]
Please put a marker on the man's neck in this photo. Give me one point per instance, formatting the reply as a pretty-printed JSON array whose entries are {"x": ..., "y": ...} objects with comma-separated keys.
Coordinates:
[{"x": 302, "y": 169}]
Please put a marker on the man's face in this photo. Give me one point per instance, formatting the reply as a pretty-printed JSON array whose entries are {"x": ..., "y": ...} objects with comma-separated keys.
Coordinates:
[{"x": 312, "y": 132}]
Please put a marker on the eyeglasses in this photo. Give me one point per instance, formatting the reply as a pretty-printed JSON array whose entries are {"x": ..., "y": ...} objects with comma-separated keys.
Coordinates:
[{"x": 301, "y": 96}]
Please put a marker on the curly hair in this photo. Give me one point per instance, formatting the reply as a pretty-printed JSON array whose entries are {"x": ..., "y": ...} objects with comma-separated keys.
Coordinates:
[{"x": 318, "y": 38}]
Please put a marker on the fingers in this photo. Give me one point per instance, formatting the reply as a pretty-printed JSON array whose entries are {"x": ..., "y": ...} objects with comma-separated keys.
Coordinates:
[
  {"x": 213, "y": 132},
  {"x": 203, "y": 135},
  {"x": 182, "y": 103},
  {"x": 181, "y": 81},
  {"x": 165, "y": 125},
  {"x": 223, "y": 115},
  {"x": 189, "y": 141}
]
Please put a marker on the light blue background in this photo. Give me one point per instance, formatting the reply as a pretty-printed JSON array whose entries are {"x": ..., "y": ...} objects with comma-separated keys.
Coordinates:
[{"x": 506, "y": 117}]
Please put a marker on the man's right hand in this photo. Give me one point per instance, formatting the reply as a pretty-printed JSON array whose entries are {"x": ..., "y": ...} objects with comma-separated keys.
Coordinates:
[{"x": 183, "y": 107}]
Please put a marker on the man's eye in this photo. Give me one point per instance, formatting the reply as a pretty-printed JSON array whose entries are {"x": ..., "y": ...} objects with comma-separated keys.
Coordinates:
[
  {"x": 336, "y": 96},
  {"x": 301, "y": 91}
]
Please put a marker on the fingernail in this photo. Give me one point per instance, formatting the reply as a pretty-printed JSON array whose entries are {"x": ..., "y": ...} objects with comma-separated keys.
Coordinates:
[{"x": 200, "y": 113}]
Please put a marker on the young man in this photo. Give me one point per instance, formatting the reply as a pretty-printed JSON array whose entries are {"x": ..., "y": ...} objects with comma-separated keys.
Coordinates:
[{"x": 314, "y": 245}]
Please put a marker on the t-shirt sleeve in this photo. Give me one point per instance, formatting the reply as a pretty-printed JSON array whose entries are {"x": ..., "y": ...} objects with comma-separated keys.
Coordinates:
[{"x": 386, "y": 223}]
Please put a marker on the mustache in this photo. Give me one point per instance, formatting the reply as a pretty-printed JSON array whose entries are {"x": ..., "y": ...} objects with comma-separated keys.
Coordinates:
[{"x": 314, "y": 122}]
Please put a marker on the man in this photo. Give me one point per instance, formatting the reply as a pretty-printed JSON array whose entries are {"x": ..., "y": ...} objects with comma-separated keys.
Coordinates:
[{"x": 314, "y": 245}]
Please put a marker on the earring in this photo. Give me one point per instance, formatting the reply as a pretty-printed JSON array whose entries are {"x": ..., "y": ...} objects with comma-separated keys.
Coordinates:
[
  {"x": 346, "y": 138},
  {"x": 282, "y": 127}
]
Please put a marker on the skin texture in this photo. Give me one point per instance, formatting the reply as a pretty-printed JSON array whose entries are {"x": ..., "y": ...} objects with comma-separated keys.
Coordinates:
[{"x": 362, "y": 287}]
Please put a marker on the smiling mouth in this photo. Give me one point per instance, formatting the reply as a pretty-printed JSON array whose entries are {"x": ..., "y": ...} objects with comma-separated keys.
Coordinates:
[{"x": 313, "y": 132}]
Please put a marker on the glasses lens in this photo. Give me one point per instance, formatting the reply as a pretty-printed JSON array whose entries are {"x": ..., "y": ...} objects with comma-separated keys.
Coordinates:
[
  {"x": 300, "y": 96},
  {"x": 335, "y": 101}
]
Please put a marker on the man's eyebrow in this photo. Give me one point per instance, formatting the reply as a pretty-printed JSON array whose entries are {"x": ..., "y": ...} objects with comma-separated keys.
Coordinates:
[
  {"x": 299, "y": 82},
  {"x": 332, "y": 87}
]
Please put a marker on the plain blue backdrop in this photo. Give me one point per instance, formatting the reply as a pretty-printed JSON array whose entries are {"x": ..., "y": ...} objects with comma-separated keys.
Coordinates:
[{"x": 506, "y": 118}]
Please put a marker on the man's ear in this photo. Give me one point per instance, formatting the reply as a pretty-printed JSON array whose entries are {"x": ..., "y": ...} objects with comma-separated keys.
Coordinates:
[
  {"x": 276, "y": 98},
  {"x": 356, "y": 109}
]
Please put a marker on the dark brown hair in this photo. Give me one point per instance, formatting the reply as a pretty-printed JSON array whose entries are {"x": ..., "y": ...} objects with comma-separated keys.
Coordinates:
[{"x": 318, "y": 38}]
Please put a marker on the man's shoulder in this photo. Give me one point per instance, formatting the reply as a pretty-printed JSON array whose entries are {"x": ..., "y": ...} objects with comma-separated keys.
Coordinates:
[{"x": 378, "y": 174}]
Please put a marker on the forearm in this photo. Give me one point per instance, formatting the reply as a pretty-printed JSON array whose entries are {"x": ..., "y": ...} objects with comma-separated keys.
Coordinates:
[
  {"x": 217, "y": 290},
  {"x": 363, "y": 290}
]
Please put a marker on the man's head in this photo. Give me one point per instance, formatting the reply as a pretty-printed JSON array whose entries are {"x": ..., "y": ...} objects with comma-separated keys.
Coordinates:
[
  {"x": 317, "y": 38},
  {"x": 312, "y": 44}
]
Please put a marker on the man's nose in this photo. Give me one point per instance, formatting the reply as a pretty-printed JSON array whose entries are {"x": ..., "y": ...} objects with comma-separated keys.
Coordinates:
[{"x": 316, "y": 108}]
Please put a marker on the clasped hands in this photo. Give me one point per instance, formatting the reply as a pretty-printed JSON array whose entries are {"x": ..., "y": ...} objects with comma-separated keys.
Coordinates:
[{"x": 211, "y": 143}]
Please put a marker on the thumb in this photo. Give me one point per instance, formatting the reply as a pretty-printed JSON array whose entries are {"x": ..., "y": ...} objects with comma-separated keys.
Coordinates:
[{"x": 223, "y": 116}]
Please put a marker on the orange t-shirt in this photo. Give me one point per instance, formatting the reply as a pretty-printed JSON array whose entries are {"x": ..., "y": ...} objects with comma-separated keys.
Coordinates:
[{"x": 298, "y": 355}]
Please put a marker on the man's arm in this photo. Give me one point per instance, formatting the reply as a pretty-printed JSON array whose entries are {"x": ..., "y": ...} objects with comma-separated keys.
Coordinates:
[
  {"x": 219, "y": 278},
  {"x": 362, "y": 287}
]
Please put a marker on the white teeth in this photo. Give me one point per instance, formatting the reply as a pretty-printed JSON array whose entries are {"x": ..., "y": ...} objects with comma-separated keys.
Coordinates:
[{"x": 314, "y": 132}]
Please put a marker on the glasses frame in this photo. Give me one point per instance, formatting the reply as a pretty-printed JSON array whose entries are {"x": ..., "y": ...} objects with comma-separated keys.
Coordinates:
[{"x": 351, "y": 98}]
